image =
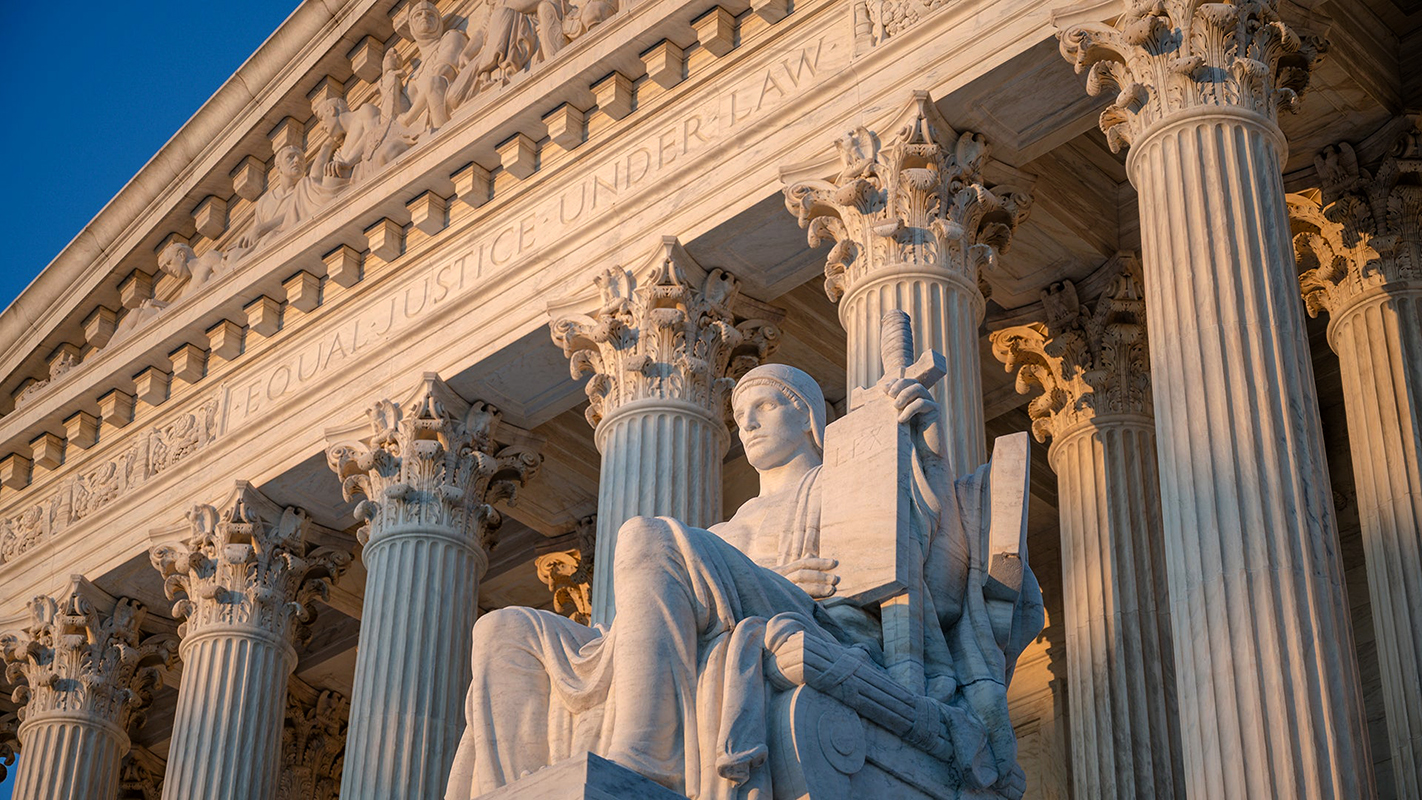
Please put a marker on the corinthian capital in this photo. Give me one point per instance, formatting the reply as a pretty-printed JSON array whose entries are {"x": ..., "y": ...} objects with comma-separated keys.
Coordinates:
[
  {"x": 248, "y": 565},
  {"x": 141, "y": 775},
  {"x": 670, "y": 331},
  {"x": 1087, "y": 362},
  {"x": 74, "y": 659},
  {"x": 313, "y": 743},
  {"x": 1164, "y": 56},
  {"x": 565, "y": 565},
  {"x": 915, "y": 197},
  {"x": 1361, "y": 231},
  {"x": 433, "y": 461}
]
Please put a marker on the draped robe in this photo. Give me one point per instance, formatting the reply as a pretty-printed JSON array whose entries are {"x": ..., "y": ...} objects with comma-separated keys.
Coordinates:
[{"x": 674, "y": 688}]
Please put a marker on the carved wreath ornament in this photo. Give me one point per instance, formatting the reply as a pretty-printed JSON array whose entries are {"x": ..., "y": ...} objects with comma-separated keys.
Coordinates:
[
  {"x": 918, "y": 199},
  {"x": 435, "y": 464},
  {"x": 1167, "y": 55}
]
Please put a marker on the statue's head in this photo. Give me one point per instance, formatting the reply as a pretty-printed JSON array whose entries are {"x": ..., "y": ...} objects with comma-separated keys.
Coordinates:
[
  {"x": 425, "y": 21},
  {"x": 329, "y": 112},
  {"x": 780, "y": 411},
  {"x": 290, "y": 163},
  {"x": 174, "y": 259}
]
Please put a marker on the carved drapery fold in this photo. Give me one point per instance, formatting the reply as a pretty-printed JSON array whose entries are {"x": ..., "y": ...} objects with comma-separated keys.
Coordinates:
[
  {"x": 1087, "y": 361},
  {"x": 313, "y": 745},
  {"x": 671, "y": 332},
  {"x": 84, "y": 678},
  {"x": 1165, "y": 56}
]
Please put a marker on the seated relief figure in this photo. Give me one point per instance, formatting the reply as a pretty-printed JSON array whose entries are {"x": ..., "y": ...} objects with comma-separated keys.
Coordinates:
[
  {"x": 684, "y": 687},
  {"x": 366, "y": 139},
  {"x": 295, "y": 196},
  {"x": 507, "y": 36}
]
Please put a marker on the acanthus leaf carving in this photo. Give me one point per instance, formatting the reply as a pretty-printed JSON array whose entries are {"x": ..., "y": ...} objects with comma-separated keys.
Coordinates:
[
  {"x": 141, "y": 775},
  {"x": 247, "y": 565},
  {"x": 1365, "y": 231},
  {"x": 567, "y": 571},
  {"x": 662, "y": 333},
  {"x": 433, "y": 462},
  {"x": 1087, "y": 362},
  {"x": 9, "y": 741},
  {"x": 1163, "y": 56},
  {"x": 75, "y": 659},
  {"x": 918, "y": 197},
  {"x": 313, "y": 743}
]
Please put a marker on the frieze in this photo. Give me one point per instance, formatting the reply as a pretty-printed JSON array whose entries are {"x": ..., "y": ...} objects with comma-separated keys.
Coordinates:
[{"x": 151, "y": 453}]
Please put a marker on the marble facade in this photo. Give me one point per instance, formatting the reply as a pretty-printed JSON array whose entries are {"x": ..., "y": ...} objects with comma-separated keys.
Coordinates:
[{"x": 452, "y": 291}]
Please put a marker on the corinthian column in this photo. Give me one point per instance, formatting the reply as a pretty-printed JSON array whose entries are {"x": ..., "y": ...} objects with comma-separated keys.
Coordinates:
[
  {"x": 247, "y": 582},
  {"x": 664, "y": 350},
  {"x": 84, "y": 680},
  {"x": 428, "y": 470},
  {"x": 1091, "y": 366},
  {"x": 913, "y": 222},
  {"x": 1270, "y": 703},
  {"x": 1361, "y": 249}
]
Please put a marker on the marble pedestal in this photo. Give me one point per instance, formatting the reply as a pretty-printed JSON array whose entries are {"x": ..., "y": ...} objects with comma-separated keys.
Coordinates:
[{"x": 583, "y": 777}]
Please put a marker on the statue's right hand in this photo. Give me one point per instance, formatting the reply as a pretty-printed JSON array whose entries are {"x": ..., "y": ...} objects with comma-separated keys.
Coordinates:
[{"x": 813, "y": 575}]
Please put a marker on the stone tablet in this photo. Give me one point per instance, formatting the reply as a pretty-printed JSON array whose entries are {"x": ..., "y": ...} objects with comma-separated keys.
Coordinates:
[{"x": 866, "y": 521}]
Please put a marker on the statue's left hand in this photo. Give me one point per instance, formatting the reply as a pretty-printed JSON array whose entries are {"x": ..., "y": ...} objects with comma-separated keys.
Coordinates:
[
  {"x": 812, "y": 574},
  {"x": 913, "y": 400}
]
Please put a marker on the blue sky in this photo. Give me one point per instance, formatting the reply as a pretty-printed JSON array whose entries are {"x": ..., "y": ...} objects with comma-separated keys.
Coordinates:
[
  {"x": 92, "y": 90},
  {"x": 88, "y": 104}
]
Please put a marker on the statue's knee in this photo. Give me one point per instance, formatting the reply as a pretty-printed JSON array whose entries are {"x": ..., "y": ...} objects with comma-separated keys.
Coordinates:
[
  {"x": 499, "y": 627},
  {"x": 641, "y": 541}
]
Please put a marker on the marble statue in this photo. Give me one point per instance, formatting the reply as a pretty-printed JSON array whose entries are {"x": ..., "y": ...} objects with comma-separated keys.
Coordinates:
[
  {"x": 428, "y": 83},
  {"x": 676, "y": 688},
  {"x": 365, "y": 138},
  {"x": 295, "y": 196},
  {"x": 507, "y": 36},
  {"x": 179, "y": 260}
]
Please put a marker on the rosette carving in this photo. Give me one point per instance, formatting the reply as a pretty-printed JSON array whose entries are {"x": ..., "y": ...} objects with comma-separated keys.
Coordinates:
[
  {"x": 1164, "y": 56},
  {"x": 664, "y": 334},
  {"x": 918, "y": 197},
  {"x": 1365, "y": 231},
  {"x": 435, "y": 461},
  {"x": 313, "y": 744},
  {"x": 1086, "y": 361},
  {"x": 247, "y": 565},
  {"x": 76, "y": 660}
]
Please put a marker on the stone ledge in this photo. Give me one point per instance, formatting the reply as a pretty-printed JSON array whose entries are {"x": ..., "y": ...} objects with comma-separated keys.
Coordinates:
[{"x": 583, "y": 777}]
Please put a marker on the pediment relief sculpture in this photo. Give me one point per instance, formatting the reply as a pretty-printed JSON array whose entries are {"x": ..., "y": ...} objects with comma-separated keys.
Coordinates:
[{"x": 863, "y": 587}]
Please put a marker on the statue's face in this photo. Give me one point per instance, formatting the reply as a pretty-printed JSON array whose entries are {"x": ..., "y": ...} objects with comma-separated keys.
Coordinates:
[
  {"x": 425, "y": 22},
  {"x": 773, "y": 429},
  {"x": 290, "y": 163}
]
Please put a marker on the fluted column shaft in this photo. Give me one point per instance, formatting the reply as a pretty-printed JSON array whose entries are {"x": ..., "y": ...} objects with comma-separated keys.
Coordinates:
[
  {"x": 412, "y": 666},
  {"x": 945, "y": 312},
  {"x": 1378, "y": 339},
  {"x": 68, "y": 757},
  {"x": 1125, "y": 743},
  {"x": 1270, "y": 702},
  {"x": 659, "y": 458},
  {"x": 227, "y": 727}
]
